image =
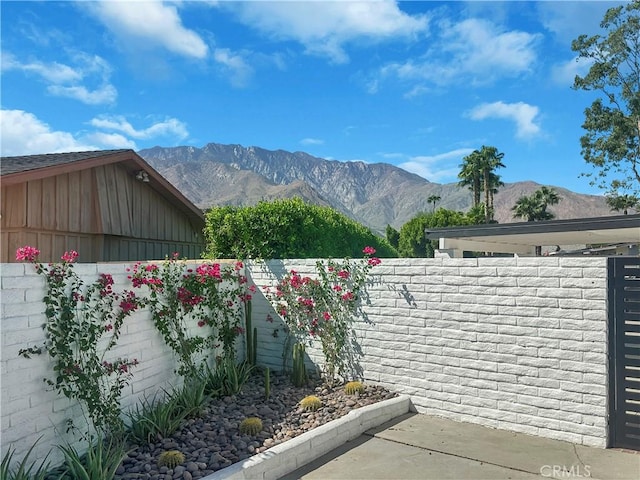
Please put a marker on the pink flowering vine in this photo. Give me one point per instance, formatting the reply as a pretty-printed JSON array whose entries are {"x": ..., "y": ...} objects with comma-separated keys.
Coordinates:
[{"x": 325, "y": 306}]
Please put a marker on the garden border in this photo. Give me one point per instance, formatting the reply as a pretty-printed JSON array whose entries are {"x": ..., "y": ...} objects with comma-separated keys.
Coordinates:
[{"x": 303, "y": 449}]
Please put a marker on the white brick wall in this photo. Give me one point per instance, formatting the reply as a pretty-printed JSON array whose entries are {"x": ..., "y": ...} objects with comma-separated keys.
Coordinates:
[
  {"x": 28, "y": 410},
  {"x": 512, "y": 343}
]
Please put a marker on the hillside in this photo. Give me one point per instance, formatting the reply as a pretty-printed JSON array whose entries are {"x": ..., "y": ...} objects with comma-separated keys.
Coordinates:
[{"x": 374, "y": 194}]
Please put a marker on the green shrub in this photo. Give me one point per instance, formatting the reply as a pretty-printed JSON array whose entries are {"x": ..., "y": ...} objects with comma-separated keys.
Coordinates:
[
  {"x": 227, "y": 378},
  {"x": 156, "y": 418},
  {"x": 101, "y": 460},
  {"x": 24, "y": 470}
]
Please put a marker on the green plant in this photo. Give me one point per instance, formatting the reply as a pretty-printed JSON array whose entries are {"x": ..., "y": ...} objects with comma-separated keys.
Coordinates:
[
  {"x": 267, "y": 383},
  {"x": 170, "y": 459},
  {"x": 352, "y": 388},
  {"x": 251, "y": 426},
  {"x": 24, "y": 470},
  {"x": 251, "y": 335},
  {"x": 325, "y": 308},
  {"x": 192, "y": 397},
  {"x": 100, "y": 461},
  {"x": 83, "y": 325},
  {"x": 210, "y": 297},
  {"x": 228, "y": 377},
  {"x": 299, "y": 373},
  {"x": 310, "y": 403},
  {"x": 156, "y": 418}
]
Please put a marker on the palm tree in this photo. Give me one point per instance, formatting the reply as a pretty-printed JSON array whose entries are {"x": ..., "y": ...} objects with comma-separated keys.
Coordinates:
[
  {"x": 489, "y": 161},
  {"x": 622, "y": 202},
  {"x": 471, "y": 175},
  {"x": 434, "y": 199},
  {"x": 534, "y": 207}
]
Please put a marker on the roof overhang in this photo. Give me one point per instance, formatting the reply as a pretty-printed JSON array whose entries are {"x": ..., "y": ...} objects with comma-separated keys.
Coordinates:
[{"x": 522, "y": 238}]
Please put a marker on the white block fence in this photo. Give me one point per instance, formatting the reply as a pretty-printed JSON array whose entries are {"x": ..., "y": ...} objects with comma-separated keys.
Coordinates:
[{"x": 512, "y": 343}]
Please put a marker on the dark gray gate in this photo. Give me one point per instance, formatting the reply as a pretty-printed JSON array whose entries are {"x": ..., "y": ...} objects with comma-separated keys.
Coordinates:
[{"x": 624, "y": 351}]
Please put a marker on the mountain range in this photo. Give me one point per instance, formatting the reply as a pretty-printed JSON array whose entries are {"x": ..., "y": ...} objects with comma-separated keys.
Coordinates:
[{"x": 374, "y": 194}]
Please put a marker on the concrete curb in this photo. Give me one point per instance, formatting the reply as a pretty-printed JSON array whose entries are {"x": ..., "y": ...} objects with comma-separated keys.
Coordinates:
[{"x": 297, "y": 452}]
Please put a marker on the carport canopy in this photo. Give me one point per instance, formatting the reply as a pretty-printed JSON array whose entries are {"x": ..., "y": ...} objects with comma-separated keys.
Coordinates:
[{"x": 523, "y": 237}]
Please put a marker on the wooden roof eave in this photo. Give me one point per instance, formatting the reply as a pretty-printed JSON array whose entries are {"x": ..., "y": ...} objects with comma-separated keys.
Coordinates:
[{"x": 133, "y": 163}]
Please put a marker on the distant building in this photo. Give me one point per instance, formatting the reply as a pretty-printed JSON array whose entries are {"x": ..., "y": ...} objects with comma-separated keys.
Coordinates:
[
  {"x": 613, "y": 235},
  {"x": 108, "y": 205}
]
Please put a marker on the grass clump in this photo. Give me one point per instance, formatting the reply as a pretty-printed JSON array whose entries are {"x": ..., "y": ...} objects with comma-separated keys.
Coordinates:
[
  {"x": 170, "y": 459},
  {"x": 251, "y": 426},
  {"x": 310, "y": 403},
  {"x": 351, "y": 388},
  {"x": 24, "y": 470}
]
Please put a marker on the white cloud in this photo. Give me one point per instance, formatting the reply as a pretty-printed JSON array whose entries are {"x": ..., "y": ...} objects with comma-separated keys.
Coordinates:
[
  {"x": 240, "y": 70},
  {"x": 311, "y": 141},
  {"x": 568, "y": 20},
  {"x": 324, "y": 27},
  {"x": 24, "y": 134},
  {"x": 145, "y": 23},
  {"x": 111, "y": 140},
  {"x": 102, "y": 95},
  {"x": 473, "y": 51},
  {"x": 437, "y": 168},
  {"x": 565, "y": 73},
  {"x": 70, "y": 81},
  {"x": 523, "y": 114},
  {"x": 53, "y": 72}
]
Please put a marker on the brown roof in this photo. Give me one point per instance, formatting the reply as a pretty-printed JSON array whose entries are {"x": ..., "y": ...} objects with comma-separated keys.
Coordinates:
[
  {"x": 24, "y": 163},
  {"x": 20, "y": 169}
]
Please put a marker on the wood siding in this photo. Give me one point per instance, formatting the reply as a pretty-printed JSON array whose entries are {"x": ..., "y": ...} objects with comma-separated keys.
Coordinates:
[{"x": 104, "y": 213}]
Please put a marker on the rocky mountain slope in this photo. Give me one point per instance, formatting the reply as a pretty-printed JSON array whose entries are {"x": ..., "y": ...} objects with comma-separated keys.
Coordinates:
[{"x": 374, "y": 194}]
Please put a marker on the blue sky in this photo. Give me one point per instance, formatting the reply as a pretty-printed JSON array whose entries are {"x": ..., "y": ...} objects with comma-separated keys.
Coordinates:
[{"x": 417, "y": 84}]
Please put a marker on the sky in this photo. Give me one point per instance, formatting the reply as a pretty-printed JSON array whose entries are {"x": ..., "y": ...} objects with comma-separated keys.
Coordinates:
[{"x": 417, "y": 84}]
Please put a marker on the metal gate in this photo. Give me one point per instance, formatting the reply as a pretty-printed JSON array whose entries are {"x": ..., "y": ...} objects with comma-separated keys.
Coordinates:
[{"x": 624, "y": 351}]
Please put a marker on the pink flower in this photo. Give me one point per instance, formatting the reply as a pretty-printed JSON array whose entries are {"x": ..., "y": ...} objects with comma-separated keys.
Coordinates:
[
  {"x": 151, "y": 268},
  {"x": 369, "y": 250},
  {"x": 201, "y": 323},
  {"x": 326, "y": 316},
  {"x": 337, "y": 288},
  {"x": 348, "y": 296},
  {"x": 239, "y": 266},
  {"x": 108, "y": 328},
  {"x": 70, "y": 256},
  {"x": 373, "y": 261},
  {"x": 344, "y": 274},
  {"x": 27, "y": 253}
]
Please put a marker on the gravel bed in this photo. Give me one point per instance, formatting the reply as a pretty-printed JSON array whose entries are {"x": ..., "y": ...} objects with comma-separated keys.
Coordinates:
[{"x": 213, "y": 441}]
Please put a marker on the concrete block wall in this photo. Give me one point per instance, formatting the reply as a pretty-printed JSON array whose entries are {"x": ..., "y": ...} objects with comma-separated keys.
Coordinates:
[
  {"x": 513, "y": 343},
  {"x": 29, "y": 410}
]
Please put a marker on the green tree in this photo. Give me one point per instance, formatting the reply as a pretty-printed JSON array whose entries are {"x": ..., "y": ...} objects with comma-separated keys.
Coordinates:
[
  {"x": 393, "y": 236},
  {"x": 433, "y": 199},
  {"x": 612, "y": 142},
  {"x": 477, "y": 172},
  {"x": 413, "y": 241},
  {"x": 490, "y": 160},
  {"x": 534, "y": 207},
  {"x": 471, "y": 175},
  {"x": 622, "y": 203},
  {"x": 287, "y": 228}
]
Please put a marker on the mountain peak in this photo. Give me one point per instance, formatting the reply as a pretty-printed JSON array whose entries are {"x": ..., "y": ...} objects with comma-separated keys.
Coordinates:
[{"x": 376, "y": 195}]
